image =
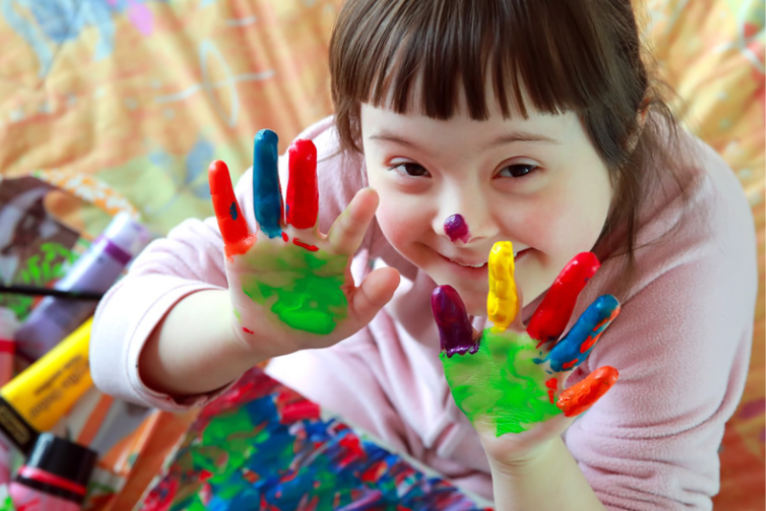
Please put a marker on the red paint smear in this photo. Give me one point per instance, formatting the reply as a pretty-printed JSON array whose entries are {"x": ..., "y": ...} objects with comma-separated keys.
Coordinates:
[
  {"x": 32, "y": 505},
  {"x": 285, "y": 238},
  {"x": 302, "y": 410},
  {"x": 581, "y": 396},
  {"x": 234, "y": 231},
  {"x": 590, "y": 341},
  {"x": 250, "y": 476},
  {"x": 374, "y": 473},
  {"x": 310, "y": 248},
  {"x": 302, "y": 193},
  {"x": 552, "y": 316},
  {"x": 552, "y": 385},
  {"x": 351, "y": 444},
  {"x": 569, "y": 365},
  {"x": 247, "y": 331}
]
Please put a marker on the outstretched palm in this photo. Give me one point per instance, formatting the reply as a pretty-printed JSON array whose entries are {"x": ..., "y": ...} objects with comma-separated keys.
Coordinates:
[
  {"x": 510, "y": 380},
  {"x": 290, "y": 285}
]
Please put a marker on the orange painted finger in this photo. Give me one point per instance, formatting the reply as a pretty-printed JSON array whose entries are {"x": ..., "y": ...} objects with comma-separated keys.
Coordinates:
[
  {"x": 236, "y": 235},
  {"x": 581, "y": 396}
]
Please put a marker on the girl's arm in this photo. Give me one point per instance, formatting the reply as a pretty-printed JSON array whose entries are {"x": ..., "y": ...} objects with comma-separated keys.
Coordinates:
[
  {"x": 192, "y": 350},
  {"x": 549, "y": 480}
]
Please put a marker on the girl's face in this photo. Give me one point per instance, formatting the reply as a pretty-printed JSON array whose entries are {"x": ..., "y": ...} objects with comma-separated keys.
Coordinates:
[{"x": 537, "y": 182}]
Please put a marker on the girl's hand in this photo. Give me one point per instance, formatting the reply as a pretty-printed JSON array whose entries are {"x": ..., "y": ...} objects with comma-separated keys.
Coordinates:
[
  {"x": 290, "y": 285},
  {"x": 509, "y": 382}
]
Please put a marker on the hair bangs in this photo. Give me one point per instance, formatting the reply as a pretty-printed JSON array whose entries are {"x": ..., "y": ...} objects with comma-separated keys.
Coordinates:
[{"x": 438, "y": 57}]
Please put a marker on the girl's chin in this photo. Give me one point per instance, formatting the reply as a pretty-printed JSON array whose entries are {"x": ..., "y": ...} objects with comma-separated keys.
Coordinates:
[{"x": 475, "y": 302}]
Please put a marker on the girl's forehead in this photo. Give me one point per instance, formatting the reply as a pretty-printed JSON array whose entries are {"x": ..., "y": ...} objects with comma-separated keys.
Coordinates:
[
  {"x": 465, "y": 136},
  {"x": 533, "y": 125}
]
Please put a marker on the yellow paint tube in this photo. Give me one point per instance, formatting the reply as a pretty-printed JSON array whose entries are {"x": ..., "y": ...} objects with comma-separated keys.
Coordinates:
[{"x": 36, "y": 399}]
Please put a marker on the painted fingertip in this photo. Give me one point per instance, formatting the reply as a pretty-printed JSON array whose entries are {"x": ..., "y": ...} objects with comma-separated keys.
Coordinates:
[
  {"x": 234, "y": 231},
  {"x": 575, "y": 347},
  {"x": 552, "y": 316},
  {"x": 267, "y": 193},
  {"x": 502, "y": 300},
  {"x": 302, "y": 193},
  {"x": 455, "y": 332},
  {"x": 581, "y": 396}
]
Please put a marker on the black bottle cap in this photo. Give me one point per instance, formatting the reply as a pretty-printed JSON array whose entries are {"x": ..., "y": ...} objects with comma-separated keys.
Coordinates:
[{"x": 63, "y": 458}]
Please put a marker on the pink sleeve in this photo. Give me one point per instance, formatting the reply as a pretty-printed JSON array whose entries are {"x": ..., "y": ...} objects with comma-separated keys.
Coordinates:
[
  {"x": 681, "y": 345},
  {"x": 188, "y": 260}
]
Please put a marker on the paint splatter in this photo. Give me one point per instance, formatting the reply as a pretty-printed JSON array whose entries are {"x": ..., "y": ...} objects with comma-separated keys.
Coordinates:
[
  {"x": 502, "y": 381},
  {"x": 456, "y": 228},
  {"x": 262, "y": 446},
  {"x": 304, "y": 289}
]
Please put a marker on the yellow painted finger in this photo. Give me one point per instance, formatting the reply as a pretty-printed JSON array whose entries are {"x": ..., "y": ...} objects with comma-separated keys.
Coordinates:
[{"x": 502, "y": 301}]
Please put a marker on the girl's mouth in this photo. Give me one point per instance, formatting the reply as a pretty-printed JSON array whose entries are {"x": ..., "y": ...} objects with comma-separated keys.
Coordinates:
[{"x": 476, "y": 265}]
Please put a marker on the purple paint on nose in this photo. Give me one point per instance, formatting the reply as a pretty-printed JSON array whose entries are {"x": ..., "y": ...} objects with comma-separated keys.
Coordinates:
[
  {"x": 456, "y": 228},
  {"x": 455, "y": 332}
]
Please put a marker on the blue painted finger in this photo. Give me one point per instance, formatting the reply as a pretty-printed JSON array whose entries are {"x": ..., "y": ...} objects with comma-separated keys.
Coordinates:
[
  {"x": 267, "y": 193},
  {"x": 575, "y": 347}
]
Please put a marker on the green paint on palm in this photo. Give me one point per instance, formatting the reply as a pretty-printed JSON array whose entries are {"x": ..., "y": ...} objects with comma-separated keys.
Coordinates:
[
  {"x": 303, "y": 288},
  {"x": 501, "y": 383}
]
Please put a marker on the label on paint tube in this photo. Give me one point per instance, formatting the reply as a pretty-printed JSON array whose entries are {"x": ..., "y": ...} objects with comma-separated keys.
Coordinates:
[
  {"x": 16, "y": 428},
  {"x": 43, "y": 393}
]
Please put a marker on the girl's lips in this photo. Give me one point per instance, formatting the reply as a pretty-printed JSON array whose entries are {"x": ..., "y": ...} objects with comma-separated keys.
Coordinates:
[{"x": 483, "y": 267}]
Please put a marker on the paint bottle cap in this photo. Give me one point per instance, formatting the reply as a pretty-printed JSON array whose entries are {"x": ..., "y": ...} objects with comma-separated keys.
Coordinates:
[
  {"x": 127, "y": 234},
  {"x": 62, "y": 458}
]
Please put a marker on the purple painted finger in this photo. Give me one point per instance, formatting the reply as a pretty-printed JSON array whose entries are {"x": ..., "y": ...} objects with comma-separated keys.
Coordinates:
[{"x": 455, "y": 330}]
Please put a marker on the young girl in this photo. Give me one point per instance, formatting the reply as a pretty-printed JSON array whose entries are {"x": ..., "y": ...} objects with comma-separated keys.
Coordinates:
[{"x": 459, "y": 124}]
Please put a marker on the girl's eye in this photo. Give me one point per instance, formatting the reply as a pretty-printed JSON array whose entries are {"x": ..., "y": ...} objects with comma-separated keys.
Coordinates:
[
  {"x": 409, "y": 169},
  {"x": 519, "y": 170}
]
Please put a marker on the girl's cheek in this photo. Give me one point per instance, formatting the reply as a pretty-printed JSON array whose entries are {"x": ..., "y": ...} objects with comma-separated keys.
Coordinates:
[{"x": 393, "y": 222}]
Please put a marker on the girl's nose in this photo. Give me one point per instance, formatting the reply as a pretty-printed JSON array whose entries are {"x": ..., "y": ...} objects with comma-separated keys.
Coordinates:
[
  {"x": 466, "y": 226},
  {"x": 456, "y": 229}
]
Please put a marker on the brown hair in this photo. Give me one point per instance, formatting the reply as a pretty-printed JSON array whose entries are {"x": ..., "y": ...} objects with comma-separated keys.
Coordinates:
[{"x": 565, "y": 55}]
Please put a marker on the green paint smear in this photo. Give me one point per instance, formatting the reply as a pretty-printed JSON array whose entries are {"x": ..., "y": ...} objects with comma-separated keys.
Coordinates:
[
  {"x": 501, "y": 383},
  {"x": 303, "y": 288}
]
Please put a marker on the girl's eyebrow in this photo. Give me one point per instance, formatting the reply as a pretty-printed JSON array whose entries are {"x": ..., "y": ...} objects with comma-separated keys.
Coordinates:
[{"x": 507, "y": 138}]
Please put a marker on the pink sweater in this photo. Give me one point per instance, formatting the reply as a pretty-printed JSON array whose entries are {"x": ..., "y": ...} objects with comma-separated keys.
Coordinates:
[{"x": 681, "y": 343}]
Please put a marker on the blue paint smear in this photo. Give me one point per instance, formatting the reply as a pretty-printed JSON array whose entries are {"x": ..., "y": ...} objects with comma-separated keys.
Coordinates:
[
  {"x": 568, "y": 348},
  {"x": 267, "y": 195}
]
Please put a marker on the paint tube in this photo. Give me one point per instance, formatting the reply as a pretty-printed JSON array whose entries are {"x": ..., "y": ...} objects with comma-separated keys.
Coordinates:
[
  {"x": 55, "y": 477},
  {"x": 95, "y": 271},
  {"x": 36, "y": 399}
]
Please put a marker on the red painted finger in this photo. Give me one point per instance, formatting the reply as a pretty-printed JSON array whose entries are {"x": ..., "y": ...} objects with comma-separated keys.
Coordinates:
[
  {"x": 581, "y": 396},
  {"x": 302, "y": 193},
  {"x": 552, "y": 316},
  {"x": 236, "y": 235}
]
